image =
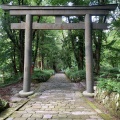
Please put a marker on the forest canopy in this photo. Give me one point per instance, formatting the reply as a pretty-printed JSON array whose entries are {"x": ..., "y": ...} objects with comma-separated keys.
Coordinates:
[{"x": 59, "y": 49}]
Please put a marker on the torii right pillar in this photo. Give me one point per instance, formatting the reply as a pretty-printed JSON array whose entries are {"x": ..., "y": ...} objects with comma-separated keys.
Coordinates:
[{"x": 88, "y": 57}]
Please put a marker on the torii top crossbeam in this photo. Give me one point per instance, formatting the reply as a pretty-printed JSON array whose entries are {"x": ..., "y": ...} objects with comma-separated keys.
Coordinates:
[{"x": 60, "y": 10}]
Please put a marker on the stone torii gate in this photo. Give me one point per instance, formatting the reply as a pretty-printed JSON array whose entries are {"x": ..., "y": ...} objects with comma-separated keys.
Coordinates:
[{"x": 58, "y": 12}]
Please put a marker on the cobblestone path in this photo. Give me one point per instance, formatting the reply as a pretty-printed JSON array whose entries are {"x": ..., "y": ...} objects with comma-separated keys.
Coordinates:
[{"x": 57, "y": 99}]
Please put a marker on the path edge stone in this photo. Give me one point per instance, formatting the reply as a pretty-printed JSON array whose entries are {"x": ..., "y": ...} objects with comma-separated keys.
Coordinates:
[
  {"x": 105, "y": 116},
  {"x": 10, "y": 111}
]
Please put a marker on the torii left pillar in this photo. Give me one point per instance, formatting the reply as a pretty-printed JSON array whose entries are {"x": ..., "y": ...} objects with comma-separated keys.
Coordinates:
[
  {"x": 27, "y": 58},
  {"x": 89, "y": 57}
]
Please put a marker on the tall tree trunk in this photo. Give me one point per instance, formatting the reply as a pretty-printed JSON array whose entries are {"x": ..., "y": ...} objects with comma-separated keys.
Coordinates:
[
  {"x": 81, "y": 51},
  {"x": 97, "y": 52},
  {"x": 36, "y": 48},
  {"x": 73, "y": 46},
  {"x": 78, "y": 52},
  {"x": 21, "y": 39},
  {"x": 42, "y": 62},
  {"x": 21, "y": 50},
  {"x": 14, "y": 61},
  {"x": 54, "y": 67},
  {"x": 81, "y": 59}
]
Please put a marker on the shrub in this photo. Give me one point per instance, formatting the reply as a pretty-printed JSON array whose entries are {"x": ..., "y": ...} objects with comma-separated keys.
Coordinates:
[
  {"x": 110, "y": 73},
  {"x": 114, "y": 70},
  {"x": 3, "y": 105},
  {"x": 8, "y": 79},
  {"x": 75, "y": 75},
  {"x": 110, "y": 85},
  {"x": 42, "y": 75}
]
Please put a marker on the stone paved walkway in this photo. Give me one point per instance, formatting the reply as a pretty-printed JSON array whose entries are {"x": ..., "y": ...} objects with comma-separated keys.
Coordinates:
[{"x": 57, "y": 99}]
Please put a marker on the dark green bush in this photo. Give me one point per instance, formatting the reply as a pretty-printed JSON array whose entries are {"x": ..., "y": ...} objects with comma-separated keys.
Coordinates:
[
  {"x": 8, "y": 79},
  {"x": 42, "y": 75},
  {"x": 3, "y": 105},
  {"x": 110, "y": 85},
  {"x": 114, "y": 70},
  {"x": 75, "y": 75},
  {"x": 110, "y": 73}
]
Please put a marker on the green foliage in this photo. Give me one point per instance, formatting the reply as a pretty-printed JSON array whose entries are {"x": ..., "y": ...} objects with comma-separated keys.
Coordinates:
[
  {"x": 109, "y": 79},
  {"x": 3, "y": 105},
  {"x": 59, "y": 2},
  {"x": 8, "y": 78},
  {"x": 49, "y": 48},
  {"x": 111, "y": 48},
  {"x": 42, "y": 75},
  {"x": 62, "y": 49},
  {"x": 67, "y": 2},
  {"x": 110, "y": 85},
  {"x": 116, "y": 24},
  {"x": 113, "y": 73},
  {"x": 75, "y": 75}
]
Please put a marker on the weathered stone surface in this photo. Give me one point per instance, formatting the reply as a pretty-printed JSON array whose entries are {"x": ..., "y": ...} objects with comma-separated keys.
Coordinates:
[
  {"x": 48, "y": 116},
  {"x": 10, "y": 118},
  {"x": 37, "y": 116},
  {"x": 110, "y": 100},
  {"x": 20, "y": 118},
  {"x": 15, "y": 99},
  {"x": 31, "y": 119},
  {"x": 27, "y": 115},
  {"x": 60, "y": 100}
]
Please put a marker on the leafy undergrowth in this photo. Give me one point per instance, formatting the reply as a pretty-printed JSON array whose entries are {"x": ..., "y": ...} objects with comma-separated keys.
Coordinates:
[
  {"x": 75, "y": 75},
  {"x": 12, "y": 86},
  {"x": 42, "y": 75},
  {"x": 110, "y": 73},
  {"x": 111, "y": 85},
  {"x": 9, "y": 79},
  {"x": 39, "y": 75},
  {"x": 109, "y": 79},
  {"x": 3, "y": 105},
  {"x": 7, "y": 92}
]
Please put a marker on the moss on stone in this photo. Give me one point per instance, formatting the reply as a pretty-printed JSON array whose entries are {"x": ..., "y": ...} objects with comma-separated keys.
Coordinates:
[
  {"x": 111, "y": 101},
  {"x": 118, "y": 114},
  {"x": 105, "y": 116}
]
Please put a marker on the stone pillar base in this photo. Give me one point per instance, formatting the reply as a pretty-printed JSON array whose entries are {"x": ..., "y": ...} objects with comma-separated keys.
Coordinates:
[
  {"x": 25, "y": 94},
  {"x": 85, "y": 93}
]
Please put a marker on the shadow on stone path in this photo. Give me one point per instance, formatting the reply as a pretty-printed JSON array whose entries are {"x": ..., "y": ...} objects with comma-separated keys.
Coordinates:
[{"x": 57, "y": 99}]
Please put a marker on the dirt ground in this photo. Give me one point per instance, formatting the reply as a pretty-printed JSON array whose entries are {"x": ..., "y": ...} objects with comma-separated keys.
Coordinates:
[{"x": 10, "y": 92}]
